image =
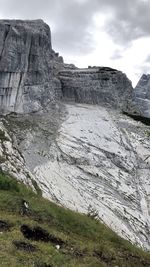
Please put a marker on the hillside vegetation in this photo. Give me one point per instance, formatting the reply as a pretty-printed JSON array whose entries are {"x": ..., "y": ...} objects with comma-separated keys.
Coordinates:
[{"x": 47, "y": 235}]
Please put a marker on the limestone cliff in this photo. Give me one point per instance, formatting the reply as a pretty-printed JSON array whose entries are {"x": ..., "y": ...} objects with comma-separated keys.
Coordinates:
[
  {"x": 31, "y": 71},
  {"x": 142, "y": 96},
  {"x": 98, "y": 85},
  {"x": 27, "y": 82},
  {"x": 32, "y": 75}
]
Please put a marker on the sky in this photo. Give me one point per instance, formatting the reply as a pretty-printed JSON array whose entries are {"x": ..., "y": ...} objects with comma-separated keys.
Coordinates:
[{"x": 114, "y": 33}]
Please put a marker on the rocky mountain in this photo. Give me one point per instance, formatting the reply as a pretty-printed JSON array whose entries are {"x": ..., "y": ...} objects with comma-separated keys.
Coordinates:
[
  {"x": 27, "y": 82},
  {"x": 31, "y": 72},
  {"x": 66, "y": 131},
  {"x": 142, "y": 96}
]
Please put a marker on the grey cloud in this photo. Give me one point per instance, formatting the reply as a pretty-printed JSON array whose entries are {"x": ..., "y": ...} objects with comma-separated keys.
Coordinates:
[
  {"x": 131, "y": 21},
  {"x": 141, "y": 69},
  {"x": 73, "y": 18},
  {"x": 117, "y": 55},
  {"x": 147, "y": 60}
]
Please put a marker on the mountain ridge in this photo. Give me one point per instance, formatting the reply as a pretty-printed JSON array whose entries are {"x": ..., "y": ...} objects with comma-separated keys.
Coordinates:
[{"x": 65, "y": 130}]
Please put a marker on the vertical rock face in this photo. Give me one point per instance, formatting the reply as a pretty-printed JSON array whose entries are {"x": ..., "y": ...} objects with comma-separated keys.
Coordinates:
[
  {"x": 99, "y": 85},
  {"x": 142, "y": 95},
  {"x": 26, "y": 76},
  {"x": 29, "y": 67}
]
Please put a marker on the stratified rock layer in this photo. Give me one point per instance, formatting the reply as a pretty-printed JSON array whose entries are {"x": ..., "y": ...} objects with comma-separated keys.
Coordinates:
[
  {"x": 142, "y": 96},
  {"x": 90, "y": 157},
  {"x": 81, "y": 156},
  {"x": 32, "y": 75},
  {"x": 27, "y": 82},
  {"x": 99, "y": 85}
]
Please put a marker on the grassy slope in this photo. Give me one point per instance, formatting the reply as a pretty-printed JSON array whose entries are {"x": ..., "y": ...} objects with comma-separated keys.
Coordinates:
[{"x": 88, "y": 243}]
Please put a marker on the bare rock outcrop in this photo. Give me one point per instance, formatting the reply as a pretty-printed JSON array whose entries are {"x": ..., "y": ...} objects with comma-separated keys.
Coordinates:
[
  {"x": 32, "y": 74},
  {"x": 97, "y": 85},
  {"x": 27, "y": 82},
  {"x": 142, "y": 96}
]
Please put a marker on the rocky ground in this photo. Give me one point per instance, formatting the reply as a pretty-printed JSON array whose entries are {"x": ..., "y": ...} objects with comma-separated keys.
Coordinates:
[{"x": 89, "y": 158}]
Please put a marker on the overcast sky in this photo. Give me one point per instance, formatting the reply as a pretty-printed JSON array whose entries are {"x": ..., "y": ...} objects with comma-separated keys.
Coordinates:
[{"x": 113, "y": 33}]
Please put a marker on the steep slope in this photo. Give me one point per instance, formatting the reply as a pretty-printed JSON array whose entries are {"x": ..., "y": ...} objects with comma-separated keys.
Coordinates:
[
  {"x": 87, "y": 157},
  {"x": 46, "y": 235},
  {"x": 101, "y": 160},
  {"x": 11, "y": 159}
]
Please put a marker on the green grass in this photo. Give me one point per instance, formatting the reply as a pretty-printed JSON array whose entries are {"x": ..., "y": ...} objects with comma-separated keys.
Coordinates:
[
  {"x": 8, "y": 184},
  {"x": 88, "y": 243}
]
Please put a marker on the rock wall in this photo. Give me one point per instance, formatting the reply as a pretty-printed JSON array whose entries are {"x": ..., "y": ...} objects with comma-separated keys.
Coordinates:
[
  {"x": 142, "y": 95},
  {"x": 99, "y": 85},
  {"x": 32, "y": 74},
  {"x": 27, "y": 82}
]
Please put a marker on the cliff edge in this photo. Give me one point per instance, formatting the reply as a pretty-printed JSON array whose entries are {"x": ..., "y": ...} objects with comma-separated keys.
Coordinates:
[
  {"x": 27, "y": 82},
  {"x": 32, "y": 75}
]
